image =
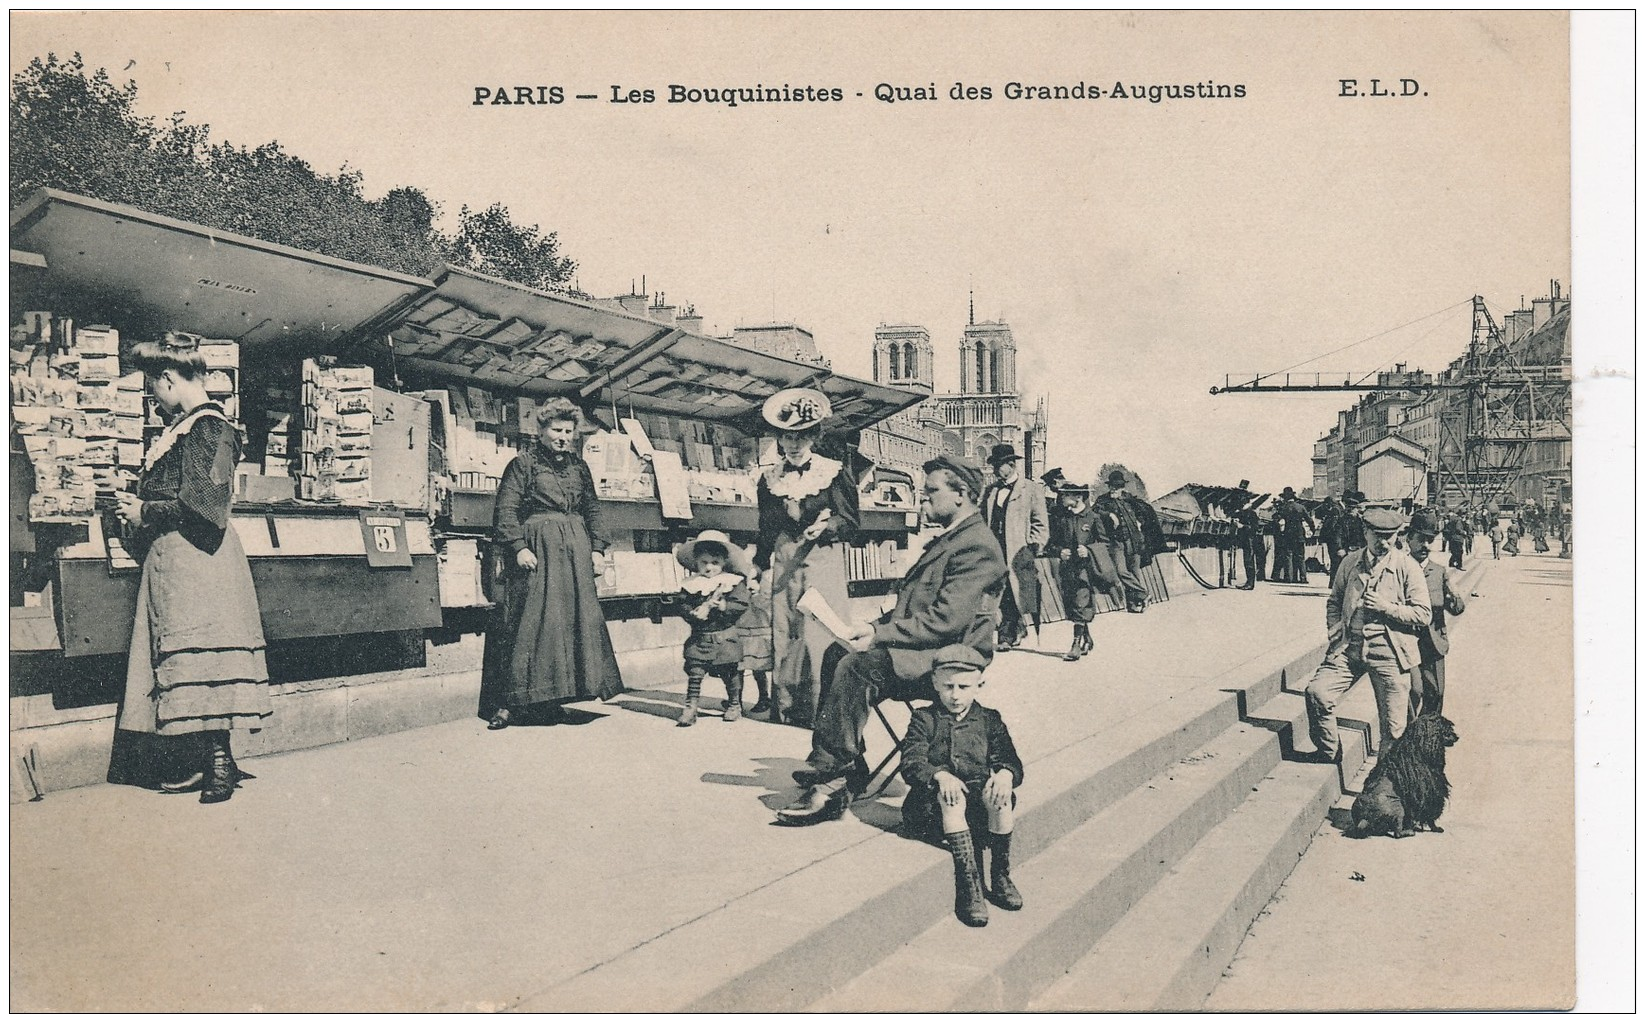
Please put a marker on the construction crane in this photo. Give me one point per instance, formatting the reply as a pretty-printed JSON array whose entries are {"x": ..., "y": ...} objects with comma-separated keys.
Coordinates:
[{"x": 1490, "y": 406}]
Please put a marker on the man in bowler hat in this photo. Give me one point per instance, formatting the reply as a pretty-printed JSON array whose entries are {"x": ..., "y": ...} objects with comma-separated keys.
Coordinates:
[{"x": 1014, "y": 507}]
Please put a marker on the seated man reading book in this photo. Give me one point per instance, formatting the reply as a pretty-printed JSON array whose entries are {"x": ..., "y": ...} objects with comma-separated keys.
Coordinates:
[{"x": 950, "y": 596}]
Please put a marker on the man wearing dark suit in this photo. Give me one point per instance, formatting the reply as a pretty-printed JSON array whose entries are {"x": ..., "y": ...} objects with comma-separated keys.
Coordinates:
[
  {"x": 1290, "y": 543},
  {"x": 1253, "y": 547},
  {"x": 1351, "y": 529},
  {"x": 1455, "y": 536},
  {"x": 1137, "y": 538},
  {"x": 949, "y": 596},
  {"x": 1428, "y": 691},
  {"x": 1014, "y": 507}
]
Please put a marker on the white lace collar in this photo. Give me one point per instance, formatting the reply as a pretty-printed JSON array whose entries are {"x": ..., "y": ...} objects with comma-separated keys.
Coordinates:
[
  {"x": 171, "y": 434},
  {"x": 697, "y": 584},
  {"x": 818, "y": 476}
]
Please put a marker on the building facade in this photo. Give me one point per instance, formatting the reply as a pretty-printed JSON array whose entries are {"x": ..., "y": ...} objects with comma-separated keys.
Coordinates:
[
  {"x": 1495, "y": 429},
  {"x": 904, "y": 357}
]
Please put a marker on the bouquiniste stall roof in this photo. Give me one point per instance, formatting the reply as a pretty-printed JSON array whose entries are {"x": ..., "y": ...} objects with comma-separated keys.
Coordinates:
[
  {"x": 475, "y": 329},
  {"x": 111, "y": 262}
]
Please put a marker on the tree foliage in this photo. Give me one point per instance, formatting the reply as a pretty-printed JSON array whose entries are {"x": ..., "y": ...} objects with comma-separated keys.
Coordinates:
[{"x": 81, "y": 132}]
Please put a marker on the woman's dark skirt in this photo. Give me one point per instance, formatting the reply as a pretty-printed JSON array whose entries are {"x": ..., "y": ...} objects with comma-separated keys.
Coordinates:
[{"x": 548, "y": 640}]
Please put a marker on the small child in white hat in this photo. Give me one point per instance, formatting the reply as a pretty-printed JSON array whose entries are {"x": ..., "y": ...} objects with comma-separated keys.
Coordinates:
[{"x": 711, "y": 601}]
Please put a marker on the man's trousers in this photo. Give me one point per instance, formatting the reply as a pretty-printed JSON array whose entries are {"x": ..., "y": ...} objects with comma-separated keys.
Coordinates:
[
  {"x": 1339, "y": 672},
  {"x": 860, "y": 680}
]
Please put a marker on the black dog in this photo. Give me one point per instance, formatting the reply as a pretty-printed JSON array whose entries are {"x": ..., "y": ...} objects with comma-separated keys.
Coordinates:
[{"x": 1407, "y": 790}]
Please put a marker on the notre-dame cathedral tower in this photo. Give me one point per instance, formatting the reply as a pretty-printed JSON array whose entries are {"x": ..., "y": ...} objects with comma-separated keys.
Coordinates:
[{"x": 987, "y": 409}]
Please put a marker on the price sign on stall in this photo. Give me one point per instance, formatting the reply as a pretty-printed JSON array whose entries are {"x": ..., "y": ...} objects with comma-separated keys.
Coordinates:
[{"x": 385, "y": 538}]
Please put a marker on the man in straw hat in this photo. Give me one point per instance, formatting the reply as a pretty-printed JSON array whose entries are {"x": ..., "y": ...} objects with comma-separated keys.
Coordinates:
[
  {"x": 1378, "y": 598},
  {"x": 1014, "y": 507},
  {"x": 949, "y": 596}
]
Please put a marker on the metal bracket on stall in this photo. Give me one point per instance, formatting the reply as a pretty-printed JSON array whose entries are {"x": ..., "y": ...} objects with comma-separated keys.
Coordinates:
[{"x": 273, "y": 532}]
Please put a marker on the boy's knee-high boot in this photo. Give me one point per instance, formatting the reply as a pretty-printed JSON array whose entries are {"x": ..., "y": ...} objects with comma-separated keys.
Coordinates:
[
  {"x": 733, "y": 696},
  {"x": 970, "y": 906},
  {"x": 762, "y": 703},
  {"x": 219, "y": 769},
  {"x": 1002, "y": 891},
  {"x": 693, "y": 689}
]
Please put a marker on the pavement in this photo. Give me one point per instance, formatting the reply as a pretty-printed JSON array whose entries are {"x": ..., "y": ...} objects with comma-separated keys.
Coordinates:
[
  {"x": 1483, "y": 916},
  {"x": 452, "y": 868}
]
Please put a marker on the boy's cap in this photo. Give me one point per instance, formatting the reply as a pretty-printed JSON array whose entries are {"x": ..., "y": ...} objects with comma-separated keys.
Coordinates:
[
  {"x": 1079, "y": 488},
  {"x": 957, "y": 656}
]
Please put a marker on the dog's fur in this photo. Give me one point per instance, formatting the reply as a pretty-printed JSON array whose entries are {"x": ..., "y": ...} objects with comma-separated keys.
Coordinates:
[{"x": 1407, "y": 790}]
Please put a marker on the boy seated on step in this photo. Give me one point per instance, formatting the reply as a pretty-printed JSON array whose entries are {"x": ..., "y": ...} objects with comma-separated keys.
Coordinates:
[
  {"x": 711, "y": 600},
  {"x": 962, "y": 772}
]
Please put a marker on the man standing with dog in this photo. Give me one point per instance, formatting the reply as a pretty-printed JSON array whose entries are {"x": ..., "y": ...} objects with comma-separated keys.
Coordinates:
[{"x": 1378, "y": 596}]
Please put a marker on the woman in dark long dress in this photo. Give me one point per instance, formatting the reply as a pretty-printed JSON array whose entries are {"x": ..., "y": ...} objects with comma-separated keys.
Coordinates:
[
  {"x": 196, "y": 666},
  {"x": 548, "y": 641},
  {"x": 806, "y": 502}
]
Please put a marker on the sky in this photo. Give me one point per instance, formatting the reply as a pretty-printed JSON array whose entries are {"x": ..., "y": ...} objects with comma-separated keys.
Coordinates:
[{"x": 1138, "y": 250}]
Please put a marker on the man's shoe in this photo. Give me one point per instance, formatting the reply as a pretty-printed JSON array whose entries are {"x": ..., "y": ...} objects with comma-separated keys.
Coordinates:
[
  {"x": 1319, "y": 757},
  {"x": 807, "y": 777},
  {"x": 818, "y": 805}
]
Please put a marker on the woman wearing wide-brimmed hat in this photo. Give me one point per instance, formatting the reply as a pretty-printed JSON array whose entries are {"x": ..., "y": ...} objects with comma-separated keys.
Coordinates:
[
  {"x": 196, "y": 669},
  {"x": 806, "y": 501},
  {"x": 547, "y": 642}
]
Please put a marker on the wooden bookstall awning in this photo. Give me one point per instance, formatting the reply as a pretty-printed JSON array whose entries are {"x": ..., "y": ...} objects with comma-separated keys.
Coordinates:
[
  {"x": 115, "y": 264},
  {"x": 473, "y": 329}
]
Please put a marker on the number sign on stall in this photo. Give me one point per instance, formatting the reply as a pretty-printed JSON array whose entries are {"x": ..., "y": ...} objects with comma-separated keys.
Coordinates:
[{"x": 385, "y": 538}]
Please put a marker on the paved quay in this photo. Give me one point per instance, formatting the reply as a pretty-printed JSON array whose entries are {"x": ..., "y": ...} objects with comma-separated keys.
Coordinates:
[
  {"x": 452, "y": 868},
  {"x": 1481, "y": 917}
]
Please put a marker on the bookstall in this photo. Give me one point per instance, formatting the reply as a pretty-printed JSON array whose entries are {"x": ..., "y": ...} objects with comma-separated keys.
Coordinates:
[{"x": 379, "y": 410}]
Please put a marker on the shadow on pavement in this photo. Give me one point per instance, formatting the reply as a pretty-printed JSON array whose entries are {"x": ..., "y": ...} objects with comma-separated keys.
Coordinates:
[
  {"x": 664, "y": 704},
  {"x": 774, "y": 774}
]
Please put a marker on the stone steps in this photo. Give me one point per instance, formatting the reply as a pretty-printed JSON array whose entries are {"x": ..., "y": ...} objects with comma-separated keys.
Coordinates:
[
  {"x": 788, "y": 945},
  {"x": 1077, "y": 890},
  {"x": 1173, "y": 945}
]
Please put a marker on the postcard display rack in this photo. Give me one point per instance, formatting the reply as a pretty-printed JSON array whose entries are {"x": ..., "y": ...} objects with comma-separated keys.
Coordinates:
[
  {"x": 718, "y": 472},
  {"x": 305, "y": 505}
]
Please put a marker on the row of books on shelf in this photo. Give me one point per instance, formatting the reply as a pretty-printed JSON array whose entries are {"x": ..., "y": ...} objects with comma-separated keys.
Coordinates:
[{"x": 876, "y": 562}]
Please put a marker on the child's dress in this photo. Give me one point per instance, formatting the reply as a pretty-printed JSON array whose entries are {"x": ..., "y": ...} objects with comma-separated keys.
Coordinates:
[
  {"x": 754, "y": 627},
  {"x": 715, "y": 646}
]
